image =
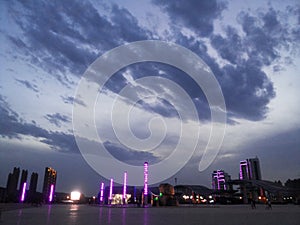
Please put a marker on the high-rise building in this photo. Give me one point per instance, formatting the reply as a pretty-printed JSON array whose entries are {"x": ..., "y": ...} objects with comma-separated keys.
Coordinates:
[
  {"x": 250, "y": 169},
  {"x": 12, "y": 185},
  {"x": 220, "y": 180},
  {"x": 49, "y": 184},
  {"x": 23, "y": 178},
  {"x": 33, "y": 182},
  {"x": 23, "y": 183},
  {"x": 32, "y": 195}
]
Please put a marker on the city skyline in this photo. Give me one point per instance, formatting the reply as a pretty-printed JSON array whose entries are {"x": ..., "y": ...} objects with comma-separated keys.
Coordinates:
[
  {"x": 252, "y": 48},
  {"x": 221, "y": 181}
]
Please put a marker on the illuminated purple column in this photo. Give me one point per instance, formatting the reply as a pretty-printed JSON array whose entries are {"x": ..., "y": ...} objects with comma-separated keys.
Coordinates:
[
  {"x": 124, "y": 187},
  {"x": 110, "y": 190},
  {"x": 101, "y": 192},
  {"x": 244, "y": 164},
  {"x": 145, "y": 183},
  {"x": 23, "y": 192},
  {"x": 51, "y": 193}
]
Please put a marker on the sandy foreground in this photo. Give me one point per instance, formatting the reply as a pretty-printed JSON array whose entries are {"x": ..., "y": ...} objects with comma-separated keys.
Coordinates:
[{"x": 86, "y": 215}]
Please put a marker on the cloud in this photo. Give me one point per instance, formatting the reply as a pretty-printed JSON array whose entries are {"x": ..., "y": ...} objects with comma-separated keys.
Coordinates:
[
  {"x": 199, "y": 16},
  {"x": 57, "y": 119},
  {"x": 28, "y": 85},
  {"x": 12, "y": 126},
  {"x": 130, "y": 156},
  {"x": 62, "y": 43},
  {"x": 71, "y": 100},
  {"x": 246, "y": 86},
  {"x": 58, "y": 40}
]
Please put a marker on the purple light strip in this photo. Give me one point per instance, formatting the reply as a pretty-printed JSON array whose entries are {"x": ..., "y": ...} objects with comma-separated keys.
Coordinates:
[
  {"x": 243, "y": 163},
  {"x": 23, "y": 192},
  {"x": 125, "y": 183},
  {"x": 101, "y": 192},
  {"x": 111, "y": 189},
  {"x": 51, "y": 193},
  {"x": 146, "y": 178}
]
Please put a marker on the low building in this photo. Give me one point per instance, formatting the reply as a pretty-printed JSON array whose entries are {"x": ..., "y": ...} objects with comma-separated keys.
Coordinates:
[{"x": 193, "y": 194}]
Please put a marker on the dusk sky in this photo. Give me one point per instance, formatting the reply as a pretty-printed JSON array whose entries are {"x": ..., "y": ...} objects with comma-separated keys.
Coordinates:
[{"x": 251, "y": 47}]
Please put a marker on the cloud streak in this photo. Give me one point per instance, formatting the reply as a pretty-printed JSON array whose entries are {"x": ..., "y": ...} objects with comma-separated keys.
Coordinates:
[
  {"x": 28, "y": 85},
  {"x": 57, "y": 119}
]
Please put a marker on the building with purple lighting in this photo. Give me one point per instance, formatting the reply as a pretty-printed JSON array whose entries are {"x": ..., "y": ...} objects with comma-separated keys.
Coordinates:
[
  {"x": 220, "y": 180},
  {"x": 49, "y": 184},
  {"x": 250, "y": 169}
]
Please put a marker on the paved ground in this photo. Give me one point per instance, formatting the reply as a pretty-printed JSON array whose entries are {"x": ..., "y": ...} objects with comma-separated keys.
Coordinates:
[{"x": 86, "y": 215}]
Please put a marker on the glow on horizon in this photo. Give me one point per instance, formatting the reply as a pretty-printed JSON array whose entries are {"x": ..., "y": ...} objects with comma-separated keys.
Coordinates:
[
  {"x": 51, "y": 193},
  {"x": 124, "y": 185},
  {"x": 23, "y": 192},
  {"x": 75, "y": 195},
  {"x": 146, "y": 178},
  {"x": 111, "y": 189},
  {"x": 101, "y": 191}
]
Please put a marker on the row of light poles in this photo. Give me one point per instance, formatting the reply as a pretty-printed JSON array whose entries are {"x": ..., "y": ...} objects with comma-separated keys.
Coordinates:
[{"x": 110, "y": 197}]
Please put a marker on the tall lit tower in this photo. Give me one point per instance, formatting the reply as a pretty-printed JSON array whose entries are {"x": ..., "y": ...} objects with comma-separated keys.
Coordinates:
[
  {"x": 110, "y": 197},
  {"x": 145, "y": 183},
  {"x": 49, "y": 184},
  {"x": 101, "y": 192},
  {"x": 124, "y": 188},
  {"x": 250, "y": 169}
]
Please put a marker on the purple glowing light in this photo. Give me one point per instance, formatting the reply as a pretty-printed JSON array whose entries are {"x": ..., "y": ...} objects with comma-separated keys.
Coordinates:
[
  {"x": 23, "y": 192},
  {"x": 242, "y": 164},
  {"x": 125, "y": 183},
  {"x": 111, "y": 189},
  {"x": 101, "y": 192},
  {"x": 146, "y": 178},
  {"x": 51, "y": 193}
]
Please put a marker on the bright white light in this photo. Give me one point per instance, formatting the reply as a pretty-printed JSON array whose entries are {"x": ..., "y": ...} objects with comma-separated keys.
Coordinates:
[{"x": 75, "y": 195}]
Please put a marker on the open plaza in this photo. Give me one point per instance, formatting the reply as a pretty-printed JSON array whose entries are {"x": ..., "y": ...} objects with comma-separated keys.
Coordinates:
[{"x": 69, "y": 214}]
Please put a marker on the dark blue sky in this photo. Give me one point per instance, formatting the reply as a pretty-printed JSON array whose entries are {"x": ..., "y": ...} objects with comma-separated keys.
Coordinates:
[{"x": 252, "y": 48}]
